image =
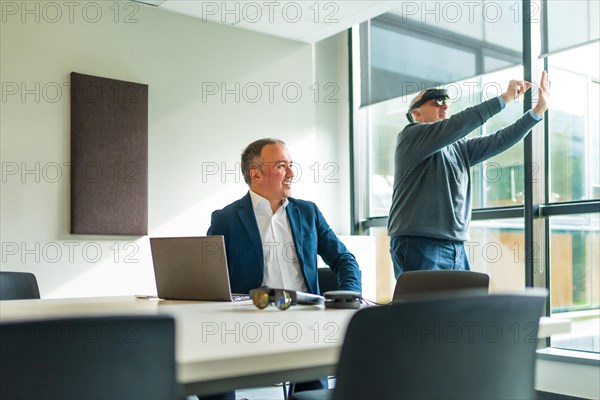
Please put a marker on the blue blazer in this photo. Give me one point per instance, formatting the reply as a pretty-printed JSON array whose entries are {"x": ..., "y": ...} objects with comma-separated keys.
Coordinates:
[{"x": 311, "y": 233}]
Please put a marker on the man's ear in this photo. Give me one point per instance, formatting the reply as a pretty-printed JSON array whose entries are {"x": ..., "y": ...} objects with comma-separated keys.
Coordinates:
[
  {"x": 416, "y": 114},
  {"x": 254, "y": 174}
]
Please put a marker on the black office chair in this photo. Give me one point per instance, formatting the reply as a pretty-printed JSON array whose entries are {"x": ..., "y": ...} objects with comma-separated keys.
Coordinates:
[
  {"x": 460, "y": 347},
  {"x": 18, "y": 286},
  {"x": 124, "y": 357},
  {"x": 327, "y": 280},
  {"x": 413, "y": 284}
]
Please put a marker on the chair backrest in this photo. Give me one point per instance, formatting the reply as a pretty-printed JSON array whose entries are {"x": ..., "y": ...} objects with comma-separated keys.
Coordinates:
[
  {"x": 125, "y": 357},
  {"x": 413, "y": 283},
  {"x": 471, "y": 347},
  {"x": 327, "y": 280},
  {"x": 18, "y": 286}
]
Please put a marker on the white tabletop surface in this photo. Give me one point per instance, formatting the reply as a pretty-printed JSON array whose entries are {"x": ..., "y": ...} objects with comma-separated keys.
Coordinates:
[{"x": 221, "y": 340}]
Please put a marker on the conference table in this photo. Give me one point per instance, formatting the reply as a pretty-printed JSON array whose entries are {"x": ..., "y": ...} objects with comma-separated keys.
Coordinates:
[{"x": 222, "y": 346}]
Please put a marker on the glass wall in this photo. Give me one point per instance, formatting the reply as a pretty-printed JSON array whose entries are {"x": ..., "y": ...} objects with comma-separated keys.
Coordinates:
[{"x": 562, "y": 217}]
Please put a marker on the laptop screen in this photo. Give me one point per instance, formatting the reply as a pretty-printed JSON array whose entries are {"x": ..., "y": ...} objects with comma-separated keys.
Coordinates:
[{"x": 191, "y": 268}]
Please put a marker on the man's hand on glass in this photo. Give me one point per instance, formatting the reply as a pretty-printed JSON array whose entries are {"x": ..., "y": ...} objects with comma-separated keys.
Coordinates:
[
  {"x": 543, "y": 95},
  {"x": 515, "y": 89}
]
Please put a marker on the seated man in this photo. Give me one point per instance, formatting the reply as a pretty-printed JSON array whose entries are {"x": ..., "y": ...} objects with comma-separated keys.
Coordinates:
[{"x": 272, "y": 239}]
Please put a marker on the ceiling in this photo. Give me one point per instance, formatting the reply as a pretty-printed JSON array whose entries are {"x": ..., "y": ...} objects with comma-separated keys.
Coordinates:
[{"x": 303, "y": 20}]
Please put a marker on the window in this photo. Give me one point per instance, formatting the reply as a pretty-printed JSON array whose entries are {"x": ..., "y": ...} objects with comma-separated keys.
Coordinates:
[
  {"x": 514, "y": 218},
  {"x": 428, "y": 44},
  {"x": 499, "y": 180},
  {"x": 574, "y": 176},
  {"x": 574, "y": 128}
]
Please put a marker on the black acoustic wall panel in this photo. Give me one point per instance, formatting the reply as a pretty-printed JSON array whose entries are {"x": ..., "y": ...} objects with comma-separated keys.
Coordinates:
[{"x": 109, "y": 156}]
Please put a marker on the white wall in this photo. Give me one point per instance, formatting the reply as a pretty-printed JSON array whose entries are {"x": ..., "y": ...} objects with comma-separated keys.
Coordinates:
[{"x": 193, "y": 139}]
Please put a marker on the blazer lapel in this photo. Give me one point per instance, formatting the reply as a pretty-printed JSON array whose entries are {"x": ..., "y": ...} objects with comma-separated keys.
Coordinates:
[
  {"x": 246, "y": 215},
  {"x": 294, "y": 218}
]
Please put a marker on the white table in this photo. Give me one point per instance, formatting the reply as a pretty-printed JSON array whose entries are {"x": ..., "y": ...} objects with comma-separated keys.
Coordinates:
[
  {"x": 223, "y": 346},
  {"x": 220, "y": 345}
]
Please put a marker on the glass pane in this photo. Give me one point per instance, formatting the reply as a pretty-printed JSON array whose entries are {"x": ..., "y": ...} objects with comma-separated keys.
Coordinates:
[
  {"x": 489, "y": 21},
  {"x": 429, "y": 44},
  {"x": 561, "y": 14},
  {"x": 575, "y": 279},
  {"x": 503, "y": 23},
  {"x": 386, "y": 58},
  {"x": 499, "y": 181},
  {"x": 574, "y": 134},
  {"x": 384, "y": 121},
  {"x": 497, "y": 247}
]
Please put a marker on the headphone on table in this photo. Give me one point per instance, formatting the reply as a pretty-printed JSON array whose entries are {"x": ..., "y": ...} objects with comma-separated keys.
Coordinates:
[{"x": 341, "y": 299}]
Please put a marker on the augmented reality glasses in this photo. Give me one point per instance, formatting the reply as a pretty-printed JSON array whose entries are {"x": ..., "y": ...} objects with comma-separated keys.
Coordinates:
[
  {"x": 439, "y": 96},
  {"x": 281, "y": 298},
  {"x": 440, "y": 101}
]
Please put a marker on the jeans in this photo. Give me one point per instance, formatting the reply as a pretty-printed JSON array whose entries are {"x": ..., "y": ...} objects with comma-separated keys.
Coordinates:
[{"x": 414, "y": 253}]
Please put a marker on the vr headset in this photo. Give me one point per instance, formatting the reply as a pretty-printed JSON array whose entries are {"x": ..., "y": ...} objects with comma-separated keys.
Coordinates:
[{"x": 440, "y": 95}]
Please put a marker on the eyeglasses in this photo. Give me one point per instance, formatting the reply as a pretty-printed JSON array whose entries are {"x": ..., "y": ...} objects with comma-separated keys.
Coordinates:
[{"x": 281, "y": 298}]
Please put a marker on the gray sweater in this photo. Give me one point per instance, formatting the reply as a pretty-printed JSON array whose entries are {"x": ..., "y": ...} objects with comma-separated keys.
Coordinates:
[{"x": 432, "y": 184}]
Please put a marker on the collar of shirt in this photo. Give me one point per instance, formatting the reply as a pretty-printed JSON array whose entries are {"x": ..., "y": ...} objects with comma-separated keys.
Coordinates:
[
  {"x": 262, "y": 205},
  {"x": 281, "y": 266}
]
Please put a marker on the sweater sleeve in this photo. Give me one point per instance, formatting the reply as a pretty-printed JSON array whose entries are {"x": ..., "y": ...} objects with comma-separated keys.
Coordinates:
[
  {"x": 484, "y": 147},
  {"x": 421, "y": 140}
]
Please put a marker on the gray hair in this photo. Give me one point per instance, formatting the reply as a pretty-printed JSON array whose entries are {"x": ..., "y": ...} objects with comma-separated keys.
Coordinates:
[{"x": 251, "y": 155}]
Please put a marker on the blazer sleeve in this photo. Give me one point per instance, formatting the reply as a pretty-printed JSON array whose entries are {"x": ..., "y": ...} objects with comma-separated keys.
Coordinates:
[
  {"x": 215, "y": 225},
  {"x": 245, "y": 268},
  {"x": 337, "y": 256}
]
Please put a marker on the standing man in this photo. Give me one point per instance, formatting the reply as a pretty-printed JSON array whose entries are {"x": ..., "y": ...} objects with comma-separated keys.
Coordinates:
[{"x": 431, "y": 202}]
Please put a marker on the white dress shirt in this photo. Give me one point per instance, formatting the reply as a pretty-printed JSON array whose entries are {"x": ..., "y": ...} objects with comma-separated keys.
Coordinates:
[{"x": 282, "y": 269}]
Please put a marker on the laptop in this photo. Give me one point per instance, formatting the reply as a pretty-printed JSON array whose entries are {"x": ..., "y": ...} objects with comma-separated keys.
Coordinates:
[{"x": 192, "y": 268}]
